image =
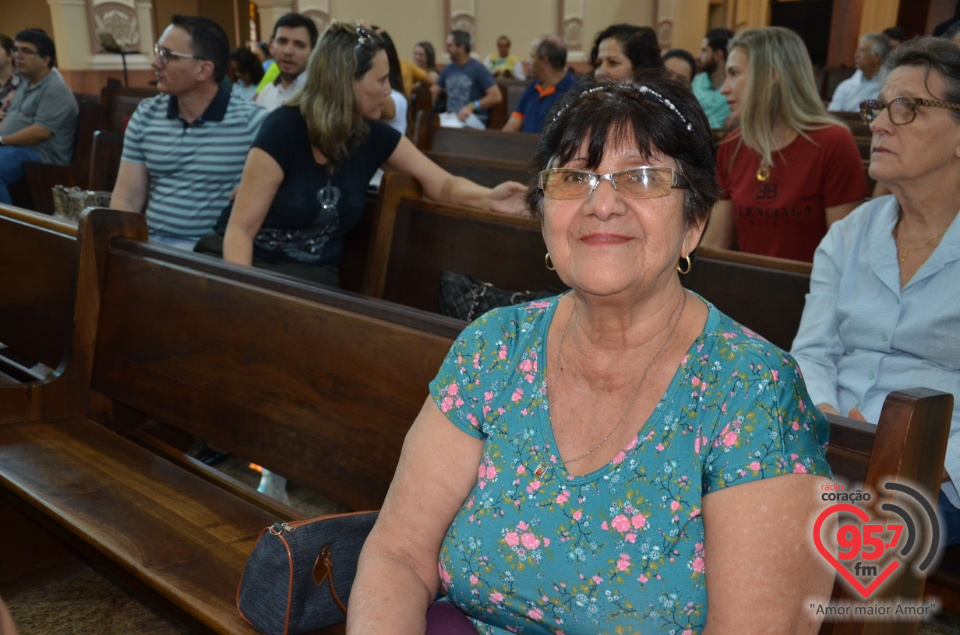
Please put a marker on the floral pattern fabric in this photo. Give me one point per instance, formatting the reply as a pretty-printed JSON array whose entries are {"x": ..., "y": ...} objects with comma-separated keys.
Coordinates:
[{"x": 619, "y": 550}]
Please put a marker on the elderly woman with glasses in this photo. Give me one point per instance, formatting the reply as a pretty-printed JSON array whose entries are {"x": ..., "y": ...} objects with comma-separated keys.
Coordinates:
[
  {"x": 883, "y": 313},
  {"x": 620, "y": 458},
  {"x": 305, "y": 180}
]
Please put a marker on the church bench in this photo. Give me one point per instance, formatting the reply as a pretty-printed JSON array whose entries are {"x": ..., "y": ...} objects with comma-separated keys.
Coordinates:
[
  {"x": 763, "y": 293},
  {"x": 414, "y": 240},
  {"x": 466, "y": 142},
  {"x": 486, "y": 172},
  {"x": 318, "y": 385},
  {"x": 37, "y": 281},
  {"x": 41, "y": 177}
]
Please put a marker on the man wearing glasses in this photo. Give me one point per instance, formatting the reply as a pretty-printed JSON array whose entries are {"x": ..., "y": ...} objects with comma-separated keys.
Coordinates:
[
  {"x": 42, "y": 120},
  {"x": 184, "y": 150}
]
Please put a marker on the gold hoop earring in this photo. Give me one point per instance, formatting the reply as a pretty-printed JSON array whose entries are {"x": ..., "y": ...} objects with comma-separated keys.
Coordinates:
[
  {"x": 684, "y": 272},
  {"x": 548, "y": 263}
]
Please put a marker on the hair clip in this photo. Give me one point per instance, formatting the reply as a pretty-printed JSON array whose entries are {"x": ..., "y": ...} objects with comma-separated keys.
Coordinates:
[
  {"x": 666, "y": 102},
  {"x": 363, "y": 36},
  {"x": 643, "y": 90}
]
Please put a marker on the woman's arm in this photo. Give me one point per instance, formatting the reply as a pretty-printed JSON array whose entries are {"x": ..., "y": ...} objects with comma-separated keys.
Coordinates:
[
  {"x": 721, "y": 229},
  {"x": 261, "y": 179},
  {"x": 762, "y": 570},
  {"x": 440, "y": 185},
  {"x": 397, "y": 577}
]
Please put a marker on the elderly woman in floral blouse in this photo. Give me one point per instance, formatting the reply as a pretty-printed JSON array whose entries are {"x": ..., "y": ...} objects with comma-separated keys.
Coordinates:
[{"x": 623, "y": 457}]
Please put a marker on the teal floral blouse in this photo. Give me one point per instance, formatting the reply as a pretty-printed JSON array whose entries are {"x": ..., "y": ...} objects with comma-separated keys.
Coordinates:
[{"x": 620, "y": 550}]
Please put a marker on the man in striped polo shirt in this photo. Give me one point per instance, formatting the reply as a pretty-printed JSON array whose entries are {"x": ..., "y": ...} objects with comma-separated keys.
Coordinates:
[{"x": 184, "y": 150}]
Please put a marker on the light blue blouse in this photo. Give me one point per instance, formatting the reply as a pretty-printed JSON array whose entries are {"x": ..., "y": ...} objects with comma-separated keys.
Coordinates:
[{"x": 862, "y": 336}]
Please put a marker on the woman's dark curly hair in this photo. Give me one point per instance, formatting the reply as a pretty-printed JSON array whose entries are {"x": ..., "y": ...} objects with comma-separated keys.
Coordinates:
[
  {"x": 639, "y": 44},
  {"x": 656, "y": 112}
]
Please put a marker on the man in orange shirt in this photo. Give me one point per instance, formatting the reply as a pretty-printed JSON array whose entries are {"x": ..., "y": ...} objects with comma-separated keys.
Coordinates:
[{"x": 548, "y": 64}]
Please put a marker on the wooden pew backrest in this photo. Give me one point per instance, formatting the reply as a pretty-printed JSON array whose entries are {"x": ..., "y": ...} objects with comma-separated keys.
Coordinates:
[
  {"x": 764, "y": 294},
  {"x": 416, "y": 240},
  {"x": 37, "y": 283},
  {"x": 267, "y": 367}
]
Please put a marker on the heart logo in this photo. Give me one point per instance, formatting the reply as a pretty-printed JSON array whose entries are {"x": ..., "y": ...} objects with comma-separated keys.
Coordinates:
[{"x": 864, "y": 591}]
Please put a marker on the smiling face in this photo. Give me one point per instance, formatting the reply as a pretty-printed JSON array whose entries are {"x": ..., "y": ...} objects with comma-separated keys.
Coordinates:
[
  {"x": 608, "y": 245},
  {"x": 738, "y": 72},
  {"x": 291, "y": 49},
  {"x": 374, "y": 87},
  {"x": 927, "y": 150},
  {"x": 612, "y": 62}
]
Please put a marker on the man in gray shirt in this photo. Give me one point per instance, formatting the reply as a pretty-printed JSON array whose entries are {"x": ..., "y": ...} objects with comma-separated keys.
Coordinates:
[{"x": 42, "y": 121}]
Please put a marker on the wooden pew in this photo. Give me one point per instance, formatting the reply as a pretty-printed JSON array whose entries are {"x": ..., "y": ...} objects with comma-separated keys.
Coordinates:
[
  {"x": 37, "y": 284},
  {"x": 317, "y": 385},
  {"x": 428, "y": 135},
  {"x": 415, "y": 240},
  {"x": 765, "y": 294},
  {"x": 41, "y": 177},
  {"x": 487, "y": 172}
]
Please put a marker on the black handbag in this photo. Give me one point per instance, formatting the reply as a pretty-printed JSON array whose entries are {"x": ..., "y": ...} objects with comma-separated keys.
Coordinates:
[
  {"x": 299, "y": 576},
  {"x": 464, "y": 297}
]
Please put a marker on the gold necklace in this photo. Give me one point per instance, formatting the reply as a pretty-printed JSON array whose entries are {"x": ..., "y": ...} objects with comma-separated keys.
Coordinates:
[
  {"x": 905, "y": 251},
  {"x": 763, "y": 173},
  {"x": 673, "y": 329}
]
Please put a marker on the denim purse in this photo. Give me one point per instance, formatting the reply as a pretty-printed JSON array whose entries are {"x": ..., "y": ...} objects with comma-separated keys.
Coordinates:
[{"x": 299, "y": 576}]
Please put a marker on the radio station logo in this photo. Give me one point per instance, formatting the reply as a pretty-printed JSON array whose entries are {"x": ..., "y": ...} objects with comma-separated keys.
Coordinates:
[{"x": 867, "y": 551}]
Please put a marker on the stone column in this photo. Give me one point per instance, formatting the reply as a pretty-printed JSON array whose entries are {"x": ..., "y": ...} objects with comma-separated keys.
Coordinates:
[{"x": 270, "y": 11}]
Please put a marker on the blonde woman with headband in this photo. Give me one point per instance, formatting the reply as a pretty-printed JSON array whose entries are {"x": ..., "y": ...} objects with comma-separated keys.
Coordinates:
[
  {"x": 790, "y": 170},
  {"x": 305, "y": 180},
  {"x": 615, "y": 459}
]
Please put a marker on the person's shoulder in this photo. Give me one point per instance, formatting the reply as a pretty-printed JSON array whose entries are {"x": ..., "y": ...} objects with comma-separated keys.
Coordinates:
[
  {"x": 153, "y": 107},
  {"x": 877, "y": 211},
  {"x": 734, "y": 341}
]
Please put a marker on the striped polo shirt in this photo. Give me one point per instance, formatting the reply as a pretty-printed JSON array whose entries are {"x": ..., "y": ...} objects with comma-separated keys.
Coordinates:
[{"x": 193, "y": 167}]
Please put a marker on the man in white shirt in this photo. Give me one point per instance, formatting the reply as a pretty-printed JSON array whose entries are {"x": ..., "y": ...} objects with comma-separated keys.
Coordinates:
[
  {"x": 867, "y": 81},
  {"x": 294, "y": 37}
]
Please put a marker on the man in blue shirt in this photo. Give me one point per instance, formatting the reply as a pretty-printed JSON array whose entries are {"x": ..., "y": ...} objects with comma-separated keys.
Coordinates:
[
  {"x": 549, "y": 60},
  {"x": 471, "y": 89},
  {"x": 706, "y": 85}
]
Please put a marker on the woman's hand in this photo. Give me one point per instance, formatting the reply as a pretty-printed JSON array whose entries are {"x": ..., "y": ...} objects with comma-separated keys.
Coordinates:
[
  {"x": 827, "y": 409},
  {"x": 508, "y": 198}
]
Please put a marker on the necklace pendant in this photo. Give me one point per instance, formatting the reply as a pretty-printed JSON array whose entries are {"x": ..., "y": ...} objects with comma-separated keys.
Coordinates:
[
  {"x": 541, "y": 469},
  {"x": 763, "y": 173}
]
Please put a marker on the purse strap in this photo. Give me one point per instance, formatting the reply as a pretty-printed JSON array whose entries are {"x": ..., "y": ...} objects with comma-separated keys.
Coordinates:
[
  {"x": 323, "y": 569},
  {"x": 477, "y": 292}
]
